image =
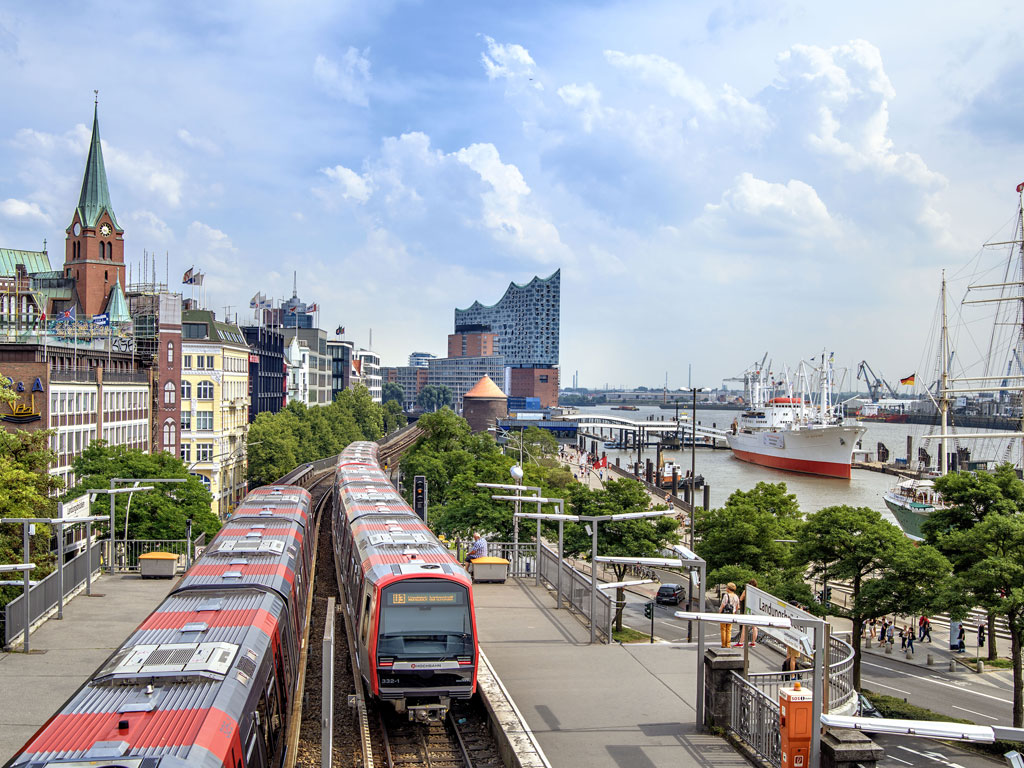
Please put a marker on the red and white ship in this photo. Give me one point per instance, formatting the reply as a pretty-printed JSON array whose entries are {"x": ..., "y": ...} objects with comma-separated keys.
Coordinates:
[{"x": 792, "y": 432}]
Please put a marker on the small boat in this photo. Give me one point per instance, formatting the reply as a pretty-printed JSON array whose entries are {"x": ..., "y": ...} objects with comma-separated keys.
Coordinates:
[
  {"x": 911, "y": 501},
  {"x": 625, "y": 408}
]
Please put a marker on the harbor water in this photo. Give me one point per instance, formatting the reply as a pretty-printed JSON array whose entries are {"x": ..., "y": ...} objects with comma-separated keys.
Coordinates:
[{"x": 726, "y": 474}]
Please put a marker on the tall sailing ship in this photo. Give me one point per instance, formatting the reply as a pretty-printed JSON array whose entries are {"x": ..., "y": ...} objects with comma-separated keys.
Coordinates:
[
  {"x": 999, "y": 385},
  {"x": 791, "y": 432}
]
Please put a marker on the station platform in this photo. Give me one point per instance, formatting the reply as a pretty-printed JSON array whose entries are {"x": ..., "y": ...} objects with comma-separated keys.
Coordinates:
[
  {"x": 65, "y": 652},
  {"x": 602, "y": 706}
]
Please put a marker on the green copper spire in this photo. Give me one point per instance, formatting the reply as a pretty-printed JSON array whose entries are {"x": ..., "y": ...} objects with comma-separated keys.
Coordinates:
[
  {"x": 95, "y": 198},
  {"x": 117, "y": 307}
]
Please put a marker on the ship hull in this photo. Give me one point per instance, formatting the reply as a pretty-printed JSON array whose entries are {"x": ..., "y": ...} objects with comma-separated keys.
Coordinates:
[
  {"x": 826, "y": 452},
  {"x": 909, "y": 519}
]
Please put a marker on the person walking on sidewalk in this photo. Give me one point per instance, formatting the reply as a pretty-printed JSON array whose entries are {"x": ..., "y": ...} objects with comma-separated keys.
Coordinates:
[
  {"x": 926, "y": 630},
  {"x": 889, "y": 633},
  {"x": 981, "y": 634},
  {"x": 961, "y": 640},
  {"x": 920, "y": 627},
  {"x": 730, "y": 604},
  {"x": 743, "y": 628},
  {"x": 903, "y": 639},
  {"x": 909, "y": 632}
]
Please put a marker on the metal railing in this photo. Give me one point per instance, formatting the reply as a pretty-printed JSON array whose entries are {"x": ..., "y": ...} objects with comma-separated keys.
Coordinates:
[
  {"x": 840, "y": 676},
  {"x": 575, "y": 584},
  {"x": 43, "y": 595},
  {"x": 125, "y": 556},
  {"x": 754, "y": 718}
]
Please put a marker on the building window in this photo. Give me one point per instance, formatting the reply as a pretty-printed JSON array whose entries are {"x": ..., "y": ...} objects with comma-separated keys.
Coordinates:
[
  {"x": 204, "y": 420},
  {"x": 200, "y": 362},
  {"x": 186, "y": 361},
  {"x": 544, "y": 379},
  {"x": 186, "y": 389},
  {"x": 209, "y": 362},
  {"x": 204, "y": 478},
  {"x": 105, "y": 278},
  {"x": 170, "y": 351},
  {"x": 169, "y": 435},
  {"x": 204, "y": 390},
  {"x": 169, "y": 393},
  {"x": 186, "y": 421},
  {"x": 186, "y": 452},
  {"x": 204, "y": 451}
]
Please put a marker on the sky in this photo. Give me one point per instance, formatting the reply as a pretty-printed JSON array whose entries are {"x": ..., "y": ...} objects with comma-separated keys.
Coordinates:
[{"x": 715, "y": 180}]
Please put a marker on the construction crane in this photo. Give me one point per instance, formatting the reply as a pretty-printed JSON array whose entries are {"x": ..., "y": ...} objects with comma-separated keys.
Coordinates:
[{"x": 874, "y": 383}]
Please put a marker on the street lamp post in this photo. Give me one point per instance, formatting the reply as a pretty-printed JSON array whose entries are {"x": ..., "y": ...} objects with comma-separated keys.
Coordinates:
[{"x": 112, "y": 491}]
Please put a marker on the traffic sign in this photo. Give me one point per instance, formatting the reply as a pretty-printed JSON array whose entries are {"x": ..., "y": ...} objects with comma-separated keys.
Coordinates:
[
  {"x": 76, "y": 508},
  {"x": 762, "y": 603}
]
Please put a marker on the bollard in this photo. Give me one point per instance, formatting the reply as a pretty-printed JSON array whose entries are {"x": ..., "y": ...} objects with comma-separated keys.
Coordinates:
[
  {"x": 888, "y": 647},
  {"x": 981, "y": 666},
  {"x": 910, "y": 655},
  {"x": 952, "y": 665},
  {"x": 931, "y": 660},
  {"x": 867, "y": 641}
]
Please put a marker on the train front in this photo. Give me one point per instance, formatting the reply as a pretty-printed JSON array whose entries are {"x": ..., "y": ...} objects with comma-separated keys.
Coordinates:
[{"x": 425, "y": 652}]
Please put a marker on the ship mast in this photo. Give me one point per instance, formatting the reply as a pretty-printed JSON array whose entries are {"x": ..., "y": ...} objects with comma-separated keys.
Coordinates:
[{"x": 943, "y": 381}]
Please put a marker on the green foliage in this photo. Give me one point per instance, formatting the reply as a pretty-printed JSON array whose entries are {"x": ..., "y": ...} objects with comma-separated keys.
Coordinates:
[
  {"x": 390, "y": 391},
  {"x": 433, "y": 398},
  {"x": 25, "y": 487},
  {"x": 886, "y": 571},
  {"x": 157, "y": 514},
  {"x": 279, "y": 442},
  {"x": 747, "y": 538}
]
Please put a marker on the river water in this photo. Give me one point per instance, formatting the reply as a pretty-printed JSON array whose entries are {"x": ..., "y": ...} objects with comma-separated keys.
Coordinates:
[{"x": 726, "y": 474}]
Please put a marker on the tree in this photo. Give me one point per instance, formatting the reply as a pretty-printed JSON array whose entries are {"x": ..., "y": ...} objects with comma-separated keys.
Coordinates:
[
  {"x": 432, "y": 398},
  {"x": 855, "y": 544},
  {"x": 390, "y": 391},
  {"x": 969, "y": 498},
  {"x": 271, "y": 448},
  {"x": 157, "y": 514},
  {"x": 995, "y": 577},
  {"x": 25, "y": 491},
  {"x": 749, "y": 537},
  {"x": 368, "y": 414},
  {"x": 394, "y": 417},
  {"x": 617, "y": 538}
]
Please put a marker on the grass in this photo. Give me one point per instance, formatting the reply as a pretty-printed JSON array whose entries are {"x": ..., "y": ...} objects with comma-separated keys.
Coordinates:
[
  {"x": 627, "y": 635},
  {"x": 998, "y": 663}
]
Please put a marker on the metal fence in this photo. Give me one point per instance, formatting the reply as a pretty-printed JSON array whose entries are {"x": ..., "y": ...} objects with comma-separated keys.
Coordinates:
[
  {"x": 840, "y": 676},
  {"x": 754, "y": 718},
  {"x": 575, "y": 584},
  {"x": 126, "y": 553},
  {"x": 42, "y": 597}
]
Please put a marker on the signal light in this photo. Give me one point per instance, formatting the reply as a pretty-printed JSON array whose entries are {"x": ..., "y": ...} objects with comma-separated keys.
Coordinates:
[{"x": 648, "y": 610}]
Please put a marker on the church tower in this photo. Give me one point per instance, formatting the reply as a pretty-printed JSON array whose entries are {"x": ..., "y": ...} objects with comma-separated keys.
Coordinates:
[{"x": 94, "y": 250}]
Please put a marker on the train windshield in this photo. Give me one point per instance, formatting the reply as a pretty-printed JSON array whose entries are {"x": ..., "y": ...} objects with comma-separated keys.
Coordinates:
[{"x": 425, "y": 618}]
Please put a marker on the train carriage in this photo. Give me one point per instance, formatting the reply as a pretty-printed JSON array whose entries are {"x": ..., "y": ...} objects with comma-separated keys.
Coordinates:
[
  {"x": 409, "y": 600},
  {"x": 207, "y": 679}
]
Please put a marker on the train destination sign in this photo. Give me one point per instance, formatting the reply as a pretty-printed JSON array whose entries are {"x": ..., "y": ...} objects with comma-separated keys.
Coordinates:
[
  {"x": 423, "y": 598},
  {"x": 761, "y": 603}
]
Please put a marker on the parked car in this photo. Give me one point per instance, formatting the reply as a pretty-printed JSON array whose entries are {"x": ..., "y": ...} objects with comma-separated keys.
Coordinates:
[
  {"x": 865, "y": 708},
  {"x": 670, "y": 593}
]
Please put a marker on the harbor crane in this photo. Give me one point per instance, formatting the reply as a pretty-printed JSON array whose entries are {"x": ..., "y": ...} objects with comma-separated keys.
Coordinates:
[{"x": 873, "y": 382}]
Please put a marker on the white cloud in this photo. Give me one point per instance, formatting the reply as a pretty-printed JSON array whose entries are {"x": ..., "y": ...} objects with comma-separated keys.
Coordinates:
[
  {"x": 23, "y": 211},
  {"x": 197, "y": 142},
  {"x": 508, "y": 61},
  {"x": 348, "y": 79},
  {"x": 149, "y": 229},
  {"x": 348, "y": 183},
  {"x": 756, "y": 208},
  {"x": 205, "y": 243},
  {"x": 836, "y": 101},
  {"x": 584, "y": 98}
]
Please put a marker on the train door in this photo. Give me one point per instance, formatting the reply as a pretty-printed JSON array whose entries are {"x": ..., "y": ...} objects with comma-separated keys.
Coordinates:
[{"x": 365, "y": 629}]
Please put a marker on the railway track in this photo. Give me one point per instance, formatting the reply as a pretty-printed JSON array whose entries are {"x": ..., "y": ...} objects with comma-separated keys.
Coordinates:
[
  {"x": 398, "y": 444},
  {"x": 460, "y": 741}
]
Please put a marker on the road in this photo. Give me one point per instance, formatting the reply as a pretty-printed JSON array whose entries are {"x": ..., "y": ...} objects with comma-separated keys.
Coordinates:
[{"x": 984, "y": 699}]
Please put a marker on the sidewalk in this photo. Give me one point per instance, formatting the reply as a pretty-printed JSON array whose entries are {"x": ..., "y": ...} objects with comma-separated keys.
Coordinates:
[
  {"x": 65, "y": 653},
  {"x": 602, "y": 706}
]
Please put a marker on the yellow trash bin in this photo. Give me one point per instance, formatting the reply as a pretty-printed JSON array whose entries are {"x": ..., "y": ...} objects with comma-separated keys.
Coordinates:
[
  {"x": 490, "y": 569},
  {"x": 158, "y": 565}
]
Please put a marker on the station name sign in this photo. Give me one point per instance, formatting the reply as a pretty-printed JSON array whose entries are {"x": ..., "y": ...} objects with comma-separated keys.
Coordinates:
[{"x": 761, "y": 603}]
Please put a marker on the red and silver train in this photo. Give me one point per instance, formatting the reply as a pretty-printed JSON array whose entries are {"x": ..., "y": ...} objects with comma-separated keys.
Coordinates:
[
  {"x": 409, "y": 601},
  {"x": 208, "y": 679}
]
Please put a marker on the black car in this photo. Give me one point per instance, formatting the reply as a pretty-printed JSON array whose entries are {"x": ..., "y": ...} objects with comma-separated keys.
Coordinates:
[{"x": 670, "y": 593}]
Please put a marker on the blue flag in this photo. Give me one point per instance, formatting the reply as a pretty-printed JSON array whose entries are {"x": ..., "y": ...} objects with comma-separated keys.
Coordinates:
[{"x": 102, "y": 319}]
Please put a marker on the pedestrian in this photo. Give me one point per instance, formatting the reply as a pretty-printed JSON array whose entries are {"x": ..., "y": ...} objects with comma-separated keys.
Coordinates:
[
  {"x": 981, "y": 635},
  {"x": 920, "y": 626},
  {"x": 789, "y": 663},
  {"x": 743, "y": 609},
  {"x": 889, "y": 633},
  {"x": 730, "y": 604},
  {"x": 910, "y": 638},
  {"x": 903, "y": 639},
  {"x": 927, "y": 634},
  {"x": 961, "y": 645},
  {"x": 478, "y": 549}
]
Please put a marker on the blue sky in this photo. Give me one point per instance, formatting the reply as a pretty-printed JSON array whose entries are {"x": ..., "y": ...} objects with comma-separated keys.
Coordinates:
[{"x": 714, "y": 179}]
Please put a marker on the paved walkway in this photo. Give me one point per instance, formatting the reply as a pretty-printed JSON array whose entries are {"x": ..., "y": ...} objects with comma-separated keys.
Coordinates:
[
  {"x": 64, "y": 653},
  {"x": 600, "y": 706}
]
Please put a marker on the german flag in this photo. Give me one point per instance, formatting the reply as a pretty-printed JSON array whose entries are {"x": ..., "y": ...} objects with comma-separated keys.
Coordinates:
[{"x": 909, "y": 381}]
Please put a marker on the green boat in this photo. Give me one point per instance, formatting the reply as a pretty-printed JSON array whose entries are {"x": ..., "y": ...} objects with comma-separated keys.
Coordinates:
[{"x": 911, "y": 501}]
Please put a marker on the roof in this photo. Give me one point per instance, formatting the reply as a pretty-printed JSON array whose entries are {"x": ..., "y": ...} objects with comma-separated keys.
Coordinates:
[
  {"x": 95, "y": 199},
  {"x": 117, "y": 307},
  {"x": 485, "y": 388},
  {"x": 224, "y": 333},
  {"x": 34, "y": 261},
  {"x": 557, "y": 274}
]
